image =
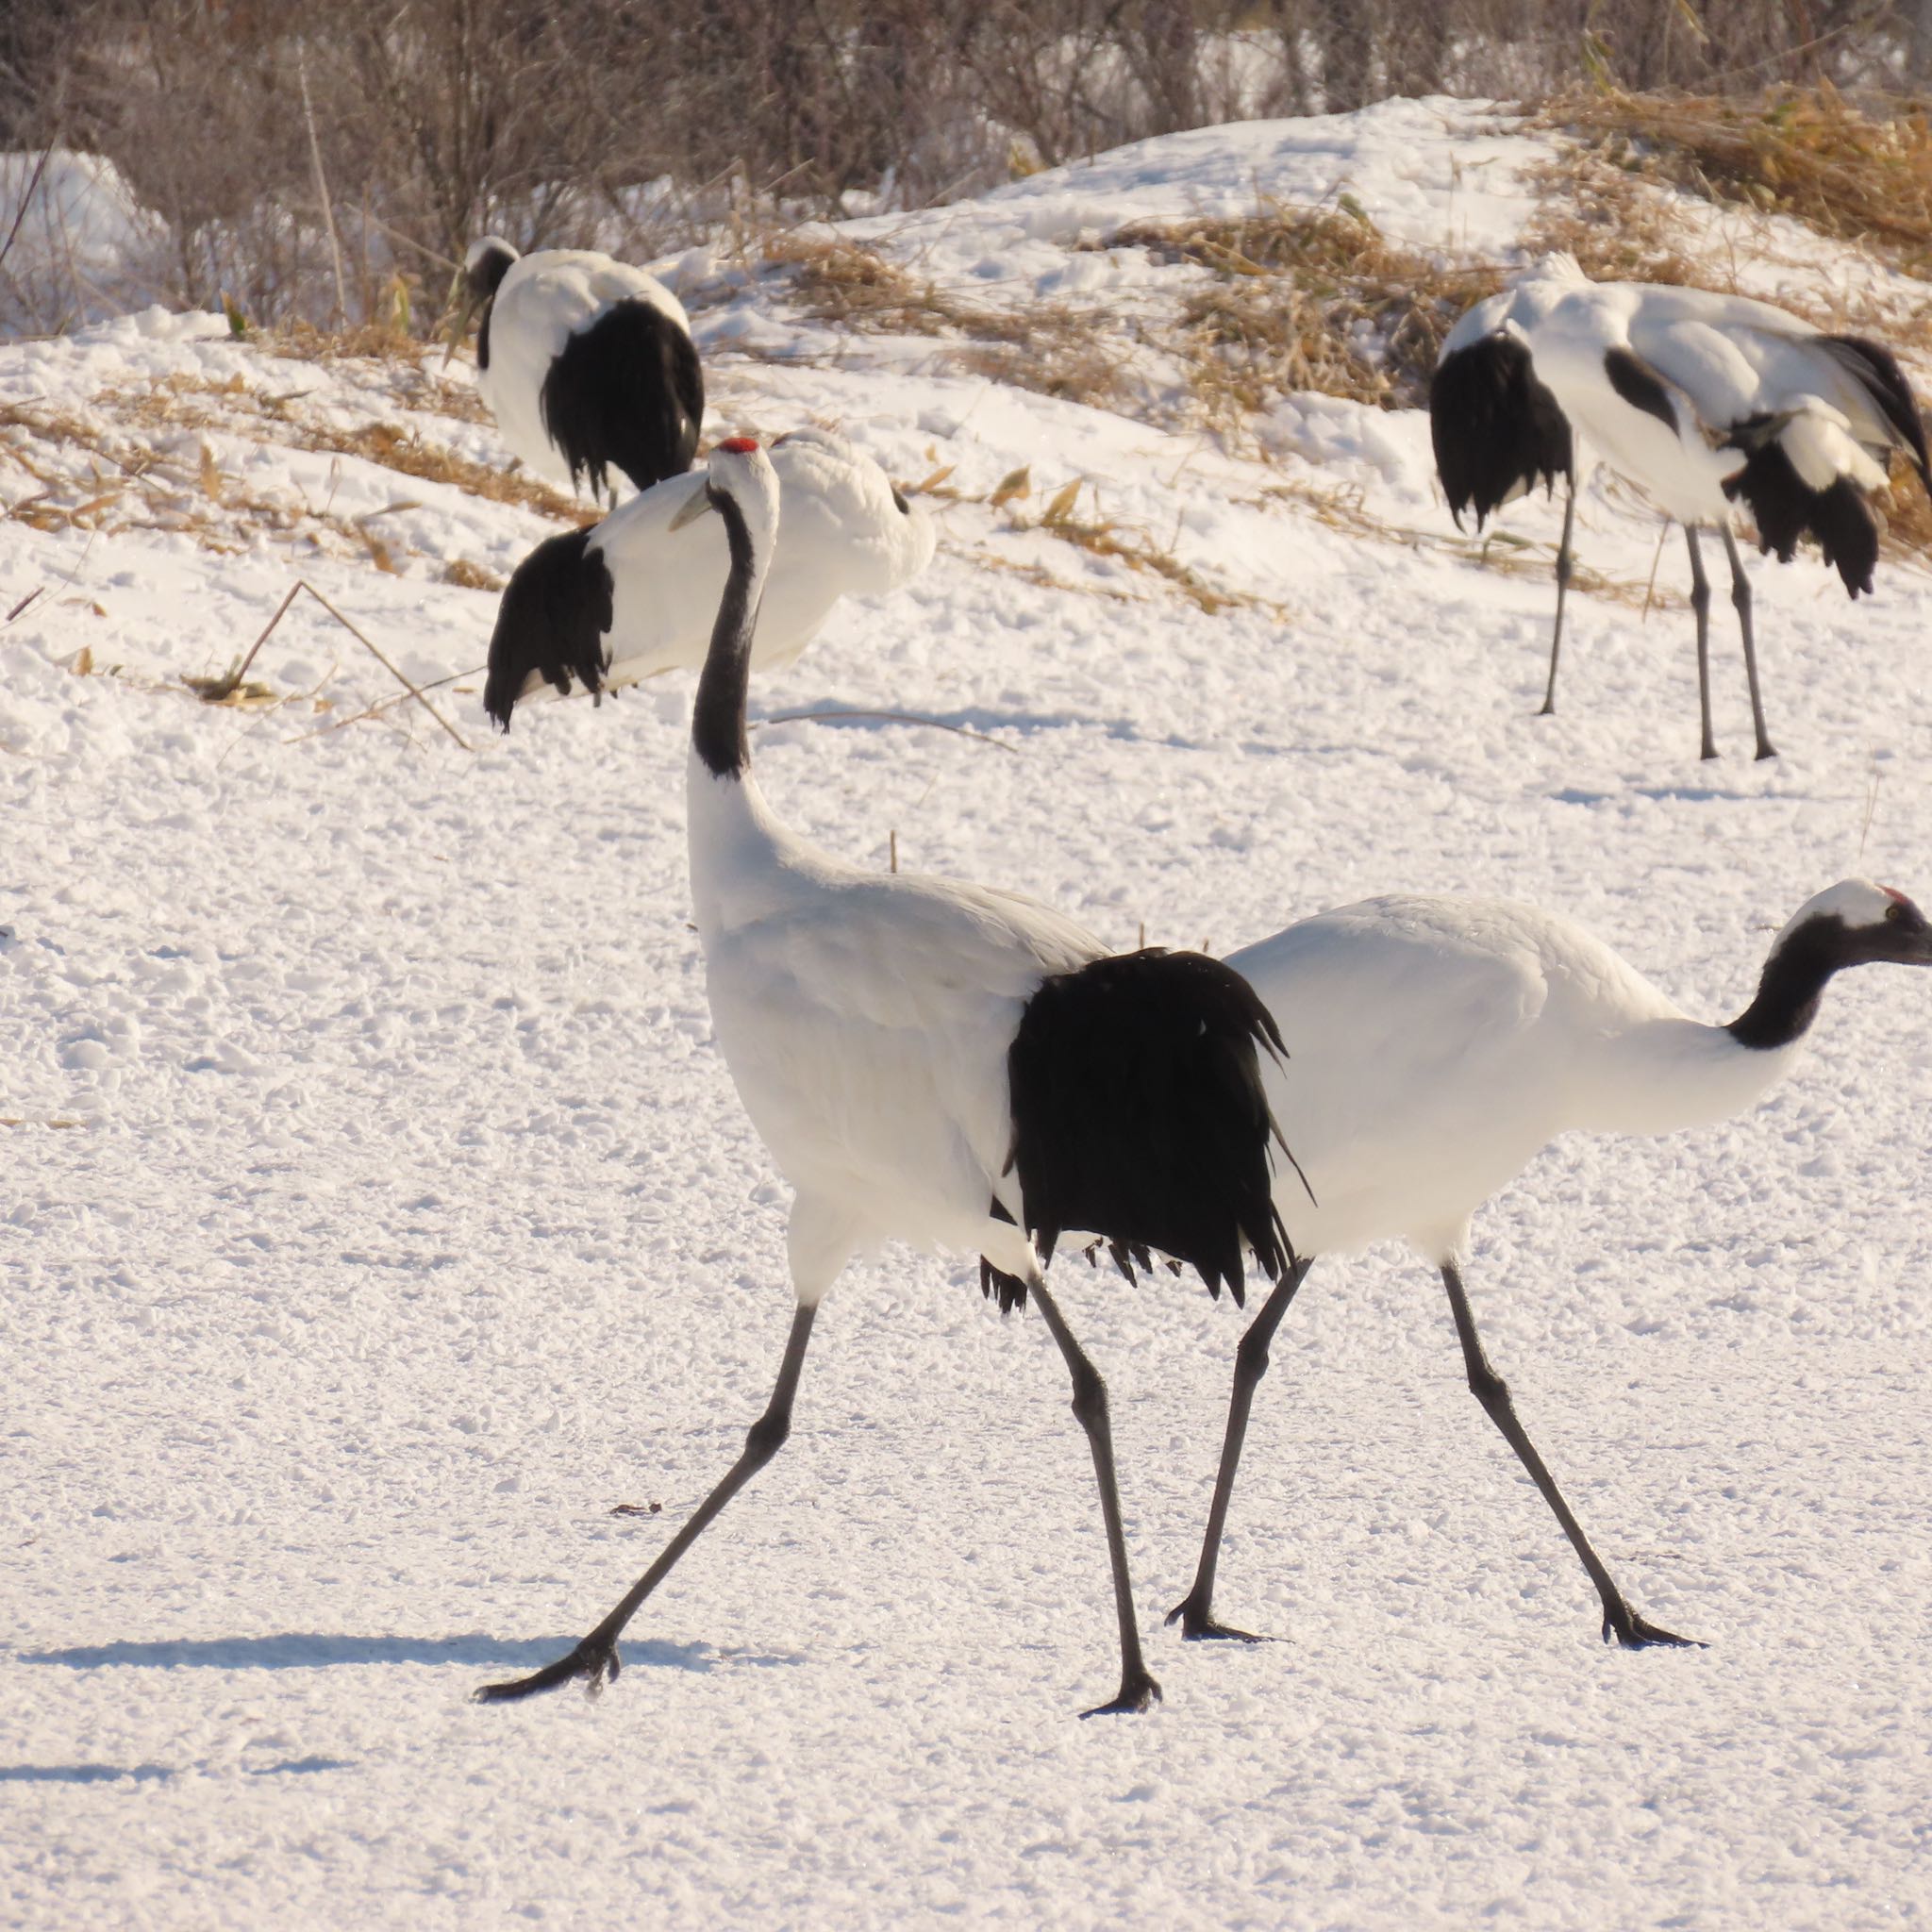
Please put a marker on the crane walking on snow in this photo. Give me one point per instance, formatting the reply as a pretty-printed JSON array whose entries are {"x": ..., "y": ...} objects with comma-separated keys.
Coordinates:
[
  {"x": 587, "y": 364},
  {"x": 1700, "y": 400},
  {"x": 632, "y": 596},
  {"x": 1437, "y": 1044},
  {"x": 947, "y": 1064}
]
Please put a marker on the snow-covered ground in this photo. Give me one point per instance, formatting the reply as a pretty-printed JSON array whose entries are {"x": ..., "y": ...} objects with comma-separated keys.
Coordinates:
[{"x": 383, "y": 1243}]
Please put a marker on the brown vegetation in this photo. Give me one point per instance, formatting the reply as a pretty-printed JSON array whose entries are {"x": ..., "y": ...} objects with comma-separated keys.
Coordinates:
[
  {"x": 184, "y": 402},
  {"x": 1306, "y": 298},
  {"x": 1048, "y": 347},
  {"x": 1856, "y": 171}
]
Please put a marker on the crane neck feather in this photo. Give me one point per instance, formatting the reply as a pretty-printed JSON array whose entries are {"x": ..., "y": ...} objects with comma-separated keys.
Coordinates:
[
  {"x": 1789, "y": 992},
  {"x": 717, "y": 728}
]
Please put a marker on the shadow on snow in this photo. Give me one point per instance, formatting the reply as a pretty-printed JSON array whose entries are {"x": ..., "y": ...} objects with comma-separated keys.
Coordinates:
[
  {"x": 147, "y": 1774},
  {"x": 307, "y": 1653}
]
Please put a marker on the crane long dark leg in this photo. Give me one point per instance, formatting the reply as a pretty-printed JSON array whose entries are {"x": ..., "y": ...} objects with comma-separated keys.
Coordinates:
[
  {"x": 595, "y": 1659},
  {"x": 1699, "y": 602},
  {"x": 1195, "y": 1612},
  {"x": 1741, "y": 602},
  {"x": 1138, "y": 1688},
  {"x": 1632, "y": 1631},
  {"x": 1562, "y": 586}
]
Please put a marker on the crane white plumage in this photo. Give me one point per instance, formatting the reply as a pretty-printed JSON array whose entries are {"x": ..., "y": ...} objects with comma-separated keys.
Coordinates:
[
  {"x": 587, "y": 363},
  {"x": 1702, "y": 401},
  {"x": 1437, "y": 1045},
  {"x": 600, "y": 609},
  {"x": 949, "y": 1065}
]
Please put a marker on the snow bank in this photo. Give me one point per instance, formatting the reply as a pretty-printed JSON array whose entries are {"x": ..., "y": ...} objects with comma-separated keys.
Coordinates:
[{"x": 85, "y": 246}]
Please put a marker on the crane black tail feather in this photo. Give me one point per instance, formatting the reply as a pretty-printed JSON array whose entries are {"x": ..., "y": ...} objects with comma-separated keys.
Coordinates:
[
  {"x": 1875, "y": 368},
  {"x": 996, "y": 1284},
  {"x": 626, "y": 393},
  {"x": 1009, "y": 1289},
  {"x": 556, "y": 611},
  {"x": 1139, "y": 1116},
  {"x": 1497, "y": 432},
  {"x": 1785, "y": 508}
]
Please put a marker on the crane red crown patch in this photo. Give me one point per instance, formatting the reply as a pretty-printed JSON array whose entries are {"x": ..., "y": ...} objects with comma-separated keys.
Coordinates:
[
  {"x": 1893, "y": 893},
  {"x": 740, "y": 446}
]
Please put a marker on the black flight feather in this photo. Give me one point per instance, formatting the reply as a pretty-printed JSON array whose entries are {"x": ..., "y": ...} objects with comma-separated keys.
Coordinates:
[
  {"x": 1010, "y": 1288},
  {"x": 626, "y": 393},
  {"x": 554, "y": 612},
  {"x": 1497, "y": 430},
  {"x": 1785, "y": 508},
  {"x": 1640, "y": 385},
  {"x": 1139, "y": 1116},
  {"x": 1877, "y": 371}
]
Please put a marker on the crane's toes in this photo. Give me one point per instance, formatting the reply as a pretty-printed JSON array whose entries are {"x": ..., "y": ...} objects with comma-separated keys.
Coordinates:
[
  {"x": 1639, "y": 1633},
  {"x": 594, "y": 1659},
  {"x": 1138, "y": 1692},
  {"x": 1210, "y": 1630},
  {"x": 1199, "y": 1626}
]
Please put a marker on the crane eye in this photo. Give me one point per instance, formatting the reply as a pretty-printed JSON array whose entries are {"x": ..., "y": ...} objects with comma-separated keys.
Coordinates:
[{"x": 1894, "y": 912}]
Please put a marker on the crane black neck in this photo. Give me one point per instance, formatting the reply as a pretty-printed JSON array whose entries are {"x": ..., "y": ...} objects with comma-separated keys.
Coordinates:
[
  {"x": 717, "y": 724},
  {"x": 1792, "y": 986}
]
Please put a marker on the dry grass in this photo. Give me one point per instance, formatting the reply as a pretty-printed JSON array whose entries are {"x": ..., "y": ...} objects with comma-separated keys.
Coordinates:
[
  {"x": 1612, "y": 216},
  {"x": 1039, "y": 574},
  {"x": 1101, "y": 537},
  {"x": 143, "y": 462},
  {"x": 1315, "y": 298},
  {"x": 407, "y": 452},
  {"x": 117, "y": 482},
  {"x": 1905, "y": 520},
  {"x": 1345, "y": 510},
  {"x": 1340, "y": 508},
  {"x": 1855, "y": 173},
  {"x": 143, "y": 456},
  {"x": 1046, "y": 347},
  {"x": 107, "y": 473},
  {"x": 191, "y": 402},
  {"x": 1139, "y": 552},
  {"x": 1303, "y": 299},
  {"x": 399, "y": 358},
  {"x": 1862, "y": 180},
  {"x": 836, "y": 280},
  {"x": 370, "y": 342}
]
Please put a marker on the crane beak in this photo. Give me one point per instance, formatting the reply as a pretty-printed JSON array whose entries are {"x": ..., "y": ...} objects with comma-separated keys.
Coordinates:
[
  {"x": 1914, "y": 948},
  {"x": 694, "y": 505},
  {"x": 1906, "y": 937}
]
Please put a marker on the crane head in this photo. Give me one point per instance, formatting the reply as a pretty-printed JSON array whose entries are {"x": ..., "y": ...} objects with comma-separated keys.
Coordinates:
[
  {"x": 1856, "y": 923},
  {"x": 740, "y": 470}
]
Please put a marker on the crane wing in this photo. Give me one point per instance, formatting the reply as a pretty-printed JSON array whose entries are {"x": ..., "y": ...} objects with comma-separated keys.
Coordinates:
[
  {"x": 1410, "y": 1067},
  {"x": 866, "y": 1021}
]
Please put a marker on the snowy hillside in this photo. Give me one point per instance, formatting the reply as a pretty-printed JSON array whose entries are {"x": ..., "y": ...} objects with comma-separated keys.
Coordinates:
[{"x": 388, "y": 1261}]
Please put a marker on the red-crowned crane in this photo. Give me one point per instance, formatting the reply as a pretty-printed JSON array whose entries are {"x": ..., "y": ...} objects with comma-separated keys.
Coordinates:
[
  {"x": 586, "y": 363},
  {"x": 1702, "y": 401},
  {"x": 630, "y": 597},
  {"x": 1437, "y": 1044},
  {"x": 948, "y": 1065}
]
